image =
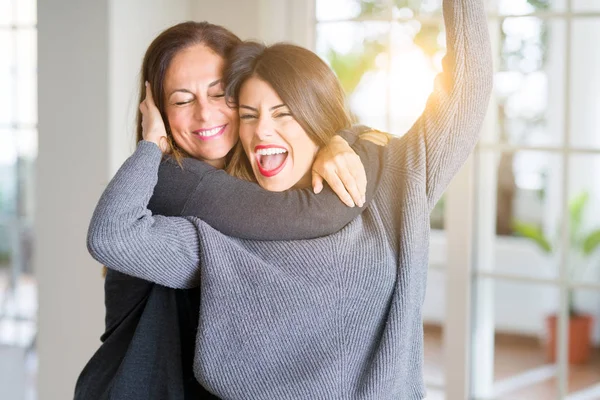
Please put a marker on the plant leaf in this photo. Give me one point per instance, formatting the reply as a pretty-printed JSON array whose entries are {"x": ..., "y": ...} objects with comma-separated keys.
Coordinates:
[
  {"x": 350, "y": 67},
  {"x": 591, "y": 242},
  {"x": 576, "y": 207},
  {"x": 534, "y": 233},
  {"x": 540, "y": 4}
]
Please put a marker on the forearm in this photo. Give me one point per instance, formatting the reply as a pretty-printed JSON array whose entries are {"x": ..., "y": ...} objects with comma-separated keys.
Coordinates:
[
  {"x": 245, "y": 210},
  {"x": 125, "y": 236}
]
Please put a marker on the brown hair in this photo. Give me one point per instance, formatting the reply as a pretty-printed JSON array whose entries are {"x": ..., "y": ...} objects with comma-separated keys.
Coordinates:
[
  {"x": 160, "y": 53},
  {"x": 158, "y": 57},
  {"x": 302, "y": 80}
]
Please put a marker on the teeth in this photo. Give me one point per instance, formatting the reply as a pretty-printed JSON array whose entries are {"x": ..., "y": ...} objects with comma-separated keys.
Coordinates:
[
  {"x": 210, "y": 132},
  {"x": 270, "y": 151}
]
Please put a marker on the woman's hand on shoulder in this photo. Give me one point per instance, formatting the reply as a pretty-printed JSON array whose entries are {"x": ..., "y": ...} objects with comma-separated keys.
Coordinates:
[
  {"x": 343, "y": 170},
  {"x": 153, "y": 126}
]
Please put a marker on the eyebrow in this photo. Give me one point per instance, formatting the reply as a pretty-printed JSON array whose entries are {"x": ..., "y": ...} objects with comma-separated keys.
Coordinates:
[
  {"x": 256, "y": 110},
  {"x": 212, "y": 84},
  {"x": 180, "y": 91}
]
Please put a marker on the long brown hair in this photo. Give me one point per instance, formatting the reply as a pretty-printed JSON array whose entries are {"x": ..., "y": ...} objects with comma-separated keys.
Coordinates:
[
  {"x": 160, "y": 53},
  {"x": 302, "y": 80},
  {"x": 158, "y": 57}
]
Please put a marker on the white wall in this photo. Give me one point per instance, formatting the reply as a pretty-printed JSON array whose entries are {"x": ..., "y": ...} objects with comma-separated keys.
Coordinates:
[
  {"x": 89, "y": 54},
  {"x": 264, "y": 20},
  {"x": 133, "y": 24}
]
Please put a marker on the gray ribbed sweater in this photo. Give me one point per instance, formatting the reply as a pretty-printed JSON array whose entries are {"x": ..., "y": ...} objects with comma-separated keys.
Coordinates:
[{"x": 337, "y": 317}]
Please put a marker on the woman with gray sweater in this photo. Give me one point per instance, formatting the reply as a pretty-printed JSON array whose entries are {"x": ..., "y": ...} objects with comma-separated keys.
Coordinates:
[
  {"x": 149, "y": 339},
  {"x": 337, "y": 317}
]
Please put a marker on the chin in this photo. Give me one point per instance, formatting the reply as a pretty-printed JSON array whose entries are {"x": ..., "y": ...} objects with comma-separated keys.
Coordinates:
[
  {"x": 214, "y": 152},
  {"x": 272, "y": 186}
]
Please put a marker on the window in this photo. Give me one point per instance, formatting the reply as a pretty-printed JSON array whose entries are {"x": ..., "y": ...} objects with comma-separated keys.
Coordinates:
[
  {"x": 18, "y": 150},
  {"x": 386, "y": 55},
  {"x": 536, "y": 239}
]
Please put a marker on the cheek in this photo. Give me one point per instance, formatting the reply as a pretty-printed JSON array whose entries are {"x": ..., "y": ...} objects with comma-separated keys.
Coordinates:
[
  {"x": 308, "y": 152},
  {"x": 177, "y": 121},
  {"x": 304, "y": 148},
  {"x": 231, "y": 115},
  {"x": 246, "y": 135}
]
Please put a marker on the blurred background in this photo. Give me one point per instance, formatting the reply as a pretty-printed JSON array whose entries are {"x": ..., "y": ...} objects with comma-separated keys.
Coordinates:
[{"x": 513, "y": 301}]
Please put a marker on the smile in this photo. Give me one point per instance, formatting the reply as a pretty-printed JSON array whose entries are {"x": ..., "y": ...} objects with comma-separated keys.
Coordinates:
[
  {"x": 208, "y": 134},
  {"x": 270, "y": 159}
]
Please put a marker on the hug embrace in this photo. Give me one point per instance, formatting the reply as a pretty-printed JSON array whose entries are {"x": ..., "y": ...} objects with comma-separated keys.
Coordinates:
[{"x": 232, "y": 271}]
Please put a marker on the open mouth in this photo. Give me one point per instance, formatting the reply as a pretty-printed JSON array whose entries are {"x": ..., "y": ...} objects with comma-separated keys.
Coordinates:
[
  {"x": 208, "y": 134},
  {"x": 270, "y": 159}
]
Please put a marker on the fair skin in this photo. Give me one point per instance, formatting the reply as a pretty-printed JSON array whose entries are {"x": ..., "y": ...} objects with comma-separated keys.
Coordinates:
[
  {"x": 279, "y": 150},
  {"x": 207, "y": 129},
  {"x": 201, "y": 122}
]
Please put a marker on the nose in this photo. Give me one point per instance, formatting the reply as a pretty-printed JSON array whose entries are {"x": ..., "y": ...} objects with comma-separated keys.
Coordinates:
[
  {"x": 264, "y": 128},
  {"x": 202, "y": 110}
]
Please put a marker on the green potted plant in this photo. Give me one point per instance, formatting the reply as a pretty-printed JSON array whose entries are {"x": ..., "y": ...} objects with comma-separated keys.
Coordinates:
[{"x": 583, "y": 244}]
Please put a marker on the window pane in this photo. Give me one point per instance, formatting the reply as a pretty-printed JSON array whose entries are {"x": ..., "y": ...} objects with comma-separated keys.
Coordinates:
[
  {"x": 417, "y": 50},
  {"x": 519, "y": 208},
  {"x": 529, "y": 86},
  {"x": 585, "y": 83},
  {"x": 584, "y": 342},
  {"x": 346, "y": 9},
  {"x": 6, "y": 77},
  {"x": 584, "y": 218},
  {"x": 6, "y": 10},
  {"x": 510, "y": 346},
  {"x": 357, "y": 54},
  {"x": 586, "y": 5},
  {"x": 8, "y": 158},
  {"x": 27, "y": 143},
  {"x": 406, "y": 9},
  {"x": 520, "y": 7},
  {"x": 26, "y": 76},
  {"x": 26, "y": 12}
]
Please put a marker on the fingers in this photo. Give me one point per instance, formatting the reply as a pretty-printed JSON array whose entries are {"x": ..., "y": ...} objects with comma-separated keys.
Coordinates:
[
  {"x": 351, "y": 186},
  {"x": 317, "y": 182},
  {"x": 149, "y": 97},
  {"x": 147, "y": 105},
  {"x": 338, "y": 188},
  {"x": 357, "y": 170}
]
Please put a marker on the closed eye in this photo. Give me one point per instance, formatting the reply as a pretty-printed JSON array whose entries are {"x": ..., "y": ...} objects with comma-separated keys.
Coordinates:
[
  {"x": 283, "y": 114},
  {"x": 247, "y": 116},
  {"x": 181, "y": 103}
]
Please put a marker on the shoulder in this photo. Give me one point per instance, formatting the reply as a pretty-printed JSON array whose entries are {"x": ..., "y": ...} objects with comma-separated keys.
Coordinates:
[{"x": 185, "y": 166}]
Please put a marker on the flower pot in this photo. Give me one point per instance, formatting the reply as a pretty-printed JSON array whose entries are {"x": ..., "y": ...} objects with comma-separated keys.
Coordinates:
[{"x": 580, "y": 338}]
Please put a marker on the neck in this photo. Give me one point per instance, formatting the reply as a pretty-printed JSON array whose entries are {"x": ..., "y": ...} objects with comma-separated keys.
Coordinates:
[
  {"x": 218, "y": 163},
  {"x": 304, "y": 182}
]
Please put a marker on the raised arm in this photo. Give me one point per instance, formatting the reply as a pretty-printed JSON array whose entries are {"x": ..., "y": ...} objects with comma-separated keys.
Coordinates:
[
  {"x": 125, "y": 236},
  {"x": 441, "y": 140}
]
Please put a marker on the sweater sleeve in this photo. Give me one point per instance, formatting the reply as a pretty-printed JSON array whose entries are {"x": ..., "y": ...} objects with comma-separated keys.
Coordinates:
[
  {"x": 246, "y": 210},
  {"x": 125, "y": 236},
  {"x": 440, "y": 142}
]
